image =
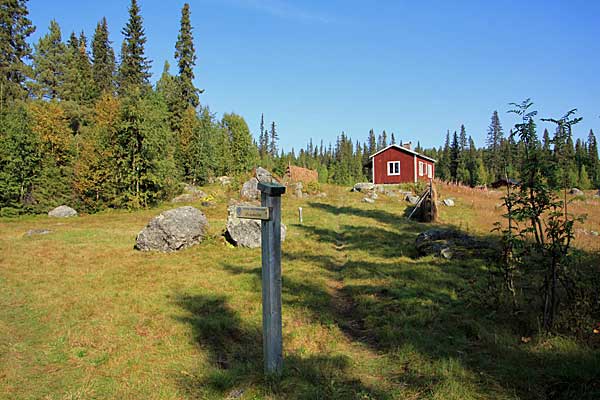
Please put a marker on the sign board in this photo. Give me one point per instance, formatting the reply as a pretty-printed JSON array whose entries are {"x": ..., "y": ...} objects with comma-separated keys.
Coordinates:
[{"x": 246, "y": 212}]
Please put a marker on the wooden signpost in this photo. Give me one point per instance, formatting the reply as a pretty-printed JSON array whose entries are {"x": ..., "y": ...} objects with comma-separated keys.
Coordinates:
[{"x": 270, "y": 215}]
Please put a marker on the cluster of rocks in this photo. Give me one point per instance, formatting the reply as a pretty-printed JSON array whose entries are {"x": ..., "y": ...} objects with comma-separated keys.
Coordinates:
[
  {"x": 191, "y": 194},
  {"x": 182, "y": 227},
  {"x": 450, "y": 243}
]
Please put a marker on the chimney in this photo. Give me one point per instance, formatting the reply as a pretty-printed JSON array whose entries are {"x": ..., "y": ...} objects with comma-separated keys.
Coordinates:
[{"x": 407, "y": 145}]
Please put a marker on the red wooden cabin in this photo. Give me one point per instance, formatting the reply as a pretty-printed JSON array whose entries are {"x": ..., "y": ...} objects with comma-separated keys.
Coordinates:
[{"x": 399, "y": 164}]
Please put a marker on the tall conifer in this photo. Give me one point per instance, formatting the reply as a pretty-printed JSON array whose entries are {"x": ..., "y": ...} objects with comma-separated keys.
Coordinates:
[
  {"x": 186, "y": 59},
  {"x": 135, "y": 66},
  {"x": 15, "y": 28},
  {"x": 103, "y": 57}
]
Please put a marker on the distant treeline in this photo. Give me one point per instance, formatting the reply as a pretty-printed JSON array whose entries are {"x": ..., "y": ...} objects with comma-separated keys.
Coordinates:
[{"x": 78, "y": 126}]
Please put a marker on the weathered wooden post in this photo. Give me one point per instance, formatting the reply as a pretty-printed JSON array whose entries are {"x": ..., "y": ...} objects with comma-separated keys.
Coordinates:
[
  {"x": 270, "y": 215},
  {"x": 300, "y": 215},
  {"x": 271, "y": 277}
]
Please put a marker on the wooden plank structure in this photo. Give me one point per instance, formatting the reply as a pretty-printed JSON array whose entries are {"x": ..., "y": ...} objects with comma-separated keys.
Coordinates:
[{"x": 426, "y": 208}]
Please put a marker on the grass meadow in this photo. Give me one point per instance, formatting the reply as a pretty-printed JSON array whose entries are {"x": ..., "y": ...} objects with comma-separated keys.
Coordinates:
[{"x": 85, "y": 316}]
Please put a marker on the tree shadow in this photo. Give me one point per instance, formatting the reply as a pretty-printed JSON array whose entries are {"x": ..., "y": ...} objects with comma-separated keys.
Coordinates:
[{"x": 234, "y": 349}]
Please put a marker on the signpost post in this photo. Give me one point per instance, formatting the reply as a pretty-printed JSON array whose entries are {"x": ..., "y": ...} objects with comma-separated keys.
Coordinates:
[{"x": 270, "y": 215}]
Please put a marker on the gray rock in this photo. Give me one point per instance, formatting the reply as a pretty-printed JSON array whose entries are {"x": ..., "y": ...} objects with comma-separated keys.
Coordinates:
[
  {"x": 594, "y": 233},
  {"x": 263, "y": 175},
  {"x": 245, "y": 232},
  {"x": 576, "y": 192},
  {"x": 189, "y": 197},
  {"x": 62, "y": 212},
  {"x": 374, "y": 195},
  {"x": 448, "y": 202},
  {"x": 449, "y": 243},
  {"x": 368, "y": 200},
  {"x": 224, "y": 180},
  {"x": 250, "y": 190},
  {"x": 412, "y": 199},
  {"x": 298, "y": 189},
  {"x": 363, "y": 187},
  {"x": 173, "y": 230},
  {"x": 404, "y": 193},
  {"x": 35, "y": 232},
  {"x": 321, "y": 195}
]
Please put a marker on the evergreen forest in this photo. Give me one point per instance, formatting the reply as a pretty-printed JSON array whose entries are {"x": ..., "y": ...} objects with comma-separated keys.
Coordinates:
[{"x": 81, "y": 124}]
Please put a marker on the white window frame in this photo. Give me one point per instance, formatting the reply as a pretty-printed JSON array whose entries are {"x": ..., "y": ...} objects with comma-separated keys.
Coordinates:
[
  {"x": 429, "y": 171},
  {"x": 421, "y": 169},
  {"x": 388, "y": 168}
]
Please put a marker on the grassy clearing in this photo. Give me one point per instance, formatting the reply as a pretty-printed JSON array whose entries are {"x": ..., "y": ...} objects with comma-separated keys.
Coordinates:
[{"x": 84, "y": 316}]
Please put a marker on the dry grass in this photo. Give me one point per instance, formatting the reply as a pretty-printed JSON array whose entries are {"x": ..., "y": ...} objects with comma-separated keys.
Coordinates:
[{"x": 84, "y": 316}]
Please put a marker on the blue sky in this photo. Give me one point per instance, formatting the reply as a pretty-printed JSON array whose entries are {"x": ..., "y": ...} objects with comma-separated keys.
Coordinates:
[{"x": 413, "y": 68}]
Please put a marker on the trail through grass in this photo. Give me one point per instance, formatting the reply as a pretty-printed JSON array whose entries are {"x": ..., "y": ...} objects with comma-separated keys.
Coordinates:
[{"x": 84, "y": 316}]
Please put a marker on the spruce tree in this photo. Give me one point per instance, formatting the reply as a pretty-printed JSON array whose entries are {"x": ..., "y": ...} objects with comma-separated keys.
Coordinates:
[
  {"x": 494, "y": 141},
  {"x": 103, "y": 57},
  {"x": 49, "y": 63},
  {"x": 186, "y": 59},
  {"x": 134, "y": 68},
  {"x": 273, "y": 137},
  {"x": 593, "y": 163},
  {"x": 79, "y": 83},
  {"x": 372, "y": 143},
  {"x": 15, "y": 28}
]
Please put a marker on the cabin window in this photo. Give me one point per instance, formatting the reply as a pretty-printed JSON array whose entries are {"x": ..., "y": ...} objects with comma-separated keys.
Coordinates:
[
  {"x": 421, "y": 170},
  {"x": 429, "y": 171},
  {"x": 393, "y": 167}
]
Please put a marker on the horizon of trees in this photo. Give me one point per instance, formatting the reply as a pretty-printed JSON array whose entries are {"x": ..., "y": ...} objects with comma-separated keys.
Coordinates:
[{"x": 80, "y": 125}]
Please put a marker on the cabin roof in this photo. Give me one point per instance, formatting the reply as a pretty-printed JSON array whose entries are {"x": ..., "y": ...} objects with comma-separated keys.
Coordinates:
[{"x": 402, "y": 148}]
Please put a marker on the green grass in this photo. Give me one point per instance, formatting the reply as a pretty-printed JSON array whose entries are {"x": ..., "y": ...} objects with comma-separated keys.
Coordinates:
[{"x": 84, "y": 316}]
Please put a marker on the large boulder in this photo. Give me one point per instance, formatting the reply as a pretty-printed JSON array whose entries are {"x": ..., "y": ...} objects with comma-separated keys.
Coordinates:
[
  {"x": 448, "y": 202},
  {"x": 173, "y": 230},
  {"x": 263, "y": 175},
  {"x": 245, "y": 232},
  {"x": 363, "y": 187},
  {"x": 450, "y": 243},
  {"x": 298, "y": 186},
  {"x": 62, "y": 212},
  {"x": 250, "y": 190}
]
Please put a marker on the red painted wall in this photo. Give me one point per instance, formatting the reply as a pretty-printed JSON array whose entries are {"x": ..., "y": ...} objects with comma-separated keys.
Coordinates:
[
  {"x": 407, "y": 172},
  {"x": 406, "y": 166},
  {"x": 425, "y": 162}
]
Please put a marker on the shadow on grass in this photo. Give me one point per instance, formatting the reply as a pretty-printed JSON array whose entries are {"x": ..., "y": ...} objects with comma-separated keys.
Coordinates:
[
  {"x": 423, "y": 314},
  {"x": 234, "y": 351}
]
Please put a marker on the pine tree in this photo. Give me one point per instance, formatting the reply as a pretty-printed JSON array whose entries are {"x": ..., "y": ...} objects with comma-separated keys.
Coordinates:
[
  {"x": 103, "y": 56},
  {"x": 79, "y": 83},
  {"x": 49, "y": 63},
  {"x": 494, "y": 142},
  {"x": 383, "y": 139},
  {"x": 454, "y": 157},
  {"x": 134, "y": 68},
  {"x": 393, "y": 138},
  {"x": 372, "y": 143},
  {"x": 186, "y": 59},
  {"x": 15, "y": 28},
  {"x": 593, "y": 163},
  {"x": 273, "y": 137}
]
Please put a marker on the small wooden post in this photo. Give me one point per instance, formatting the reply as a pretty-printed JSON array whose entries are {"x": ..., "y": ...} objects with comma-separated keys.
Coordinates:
[
  {"x": 300, "y": 215},
  {"x": 271, "y": 277}
]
